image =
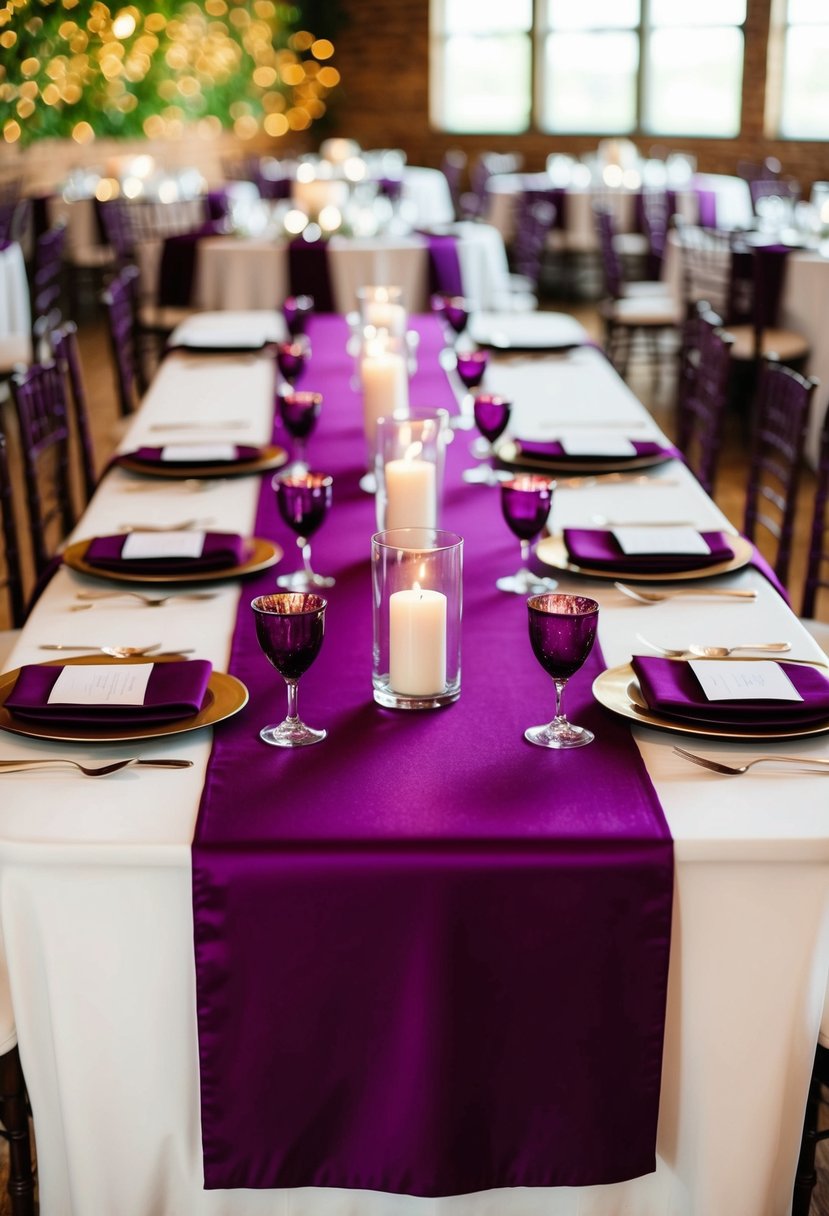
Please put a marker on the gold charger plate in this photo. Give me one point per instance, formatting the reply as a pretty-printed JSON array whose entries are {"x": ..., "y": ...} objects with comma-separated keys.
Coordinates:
[
  {"x": 262, "y": 554},
  {"x": 618, "y": 690},
  {"x": 225, "y": 697},
  {"x": 509, "y": 454},
  {"x": 553, "y": 552},
  {"x": 271, "y": 457}
]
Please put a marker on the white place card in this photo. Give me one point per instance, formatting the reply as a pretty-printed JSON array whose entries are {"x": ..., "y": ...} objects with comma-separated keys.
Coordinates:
[
  {"x": 202, "y": 453},
  {"x": 661, "y": 540},
  {"x": 98, "y": 684},
  {"x": 596, "y": 443},
  {"x": 163, "y": 544},
  {"x": 763, "y": 680}
]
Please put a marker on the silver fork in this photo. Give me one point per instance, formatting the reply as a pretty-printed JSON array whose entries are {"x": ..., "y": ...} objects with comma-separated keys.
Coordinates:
[
  {"x": 715, "y": 652},
  {"x": 103, "y": 770},
  {"x": 716, "y": 766},
  {"x": 183, "y": 526},
  {"x": 657, "y": 597},
  {"x": 119, "y": 652},
  {"x": 149, "y": 601}
]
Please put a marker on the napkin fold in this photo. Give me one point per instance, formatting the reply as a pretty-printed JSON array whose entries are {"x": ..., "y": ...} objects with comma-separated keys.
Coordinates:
[
  {"x": 221, "y": 550},
  {"x": 600, "y": 550},
  {"x": 553, "y": 450},
  {"x": 670, "y": 687},
  {"x": 152, "y": 455},
  {"x": 175, "y": 690}
]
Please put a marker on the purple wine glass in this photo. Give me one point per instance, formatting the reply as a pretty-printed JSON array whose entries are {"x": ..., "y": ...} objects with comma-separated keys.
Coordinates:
[
  {"x": 562, "y": 633},
  {"x": 525, "y": 503},
  {"x": 291, "y": 358},
  {"x": 470, "y": 366},
  {"x": 304, "y": 500},
  {"x": 491, "y": 414},
  {"x": 290, "y": 629},
  {"x": 296, "y": 310},
  {"x": 453, "y": 312},
  {"x": 299, "y": 413}
]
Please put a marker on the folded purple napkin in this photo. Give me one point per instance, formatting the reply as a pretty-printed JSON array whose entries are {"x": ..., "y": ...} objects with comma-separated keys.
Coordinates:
[
  {"x": 554, "y": 451},
  {"x": 175, "y": 690},
  {"x": 601, "y": 550},
  {"x": 150, "y": 455},
  {"x": 221, "y": 549},
  {"x": 671, "y": 688}
]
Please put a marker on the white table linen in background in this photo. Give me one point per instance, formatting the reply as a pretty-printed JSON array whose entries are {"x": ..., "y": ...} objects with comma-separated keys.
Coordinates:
[
  {"x": 95, "y": 898},
  {"x": 15, "y": 306}
]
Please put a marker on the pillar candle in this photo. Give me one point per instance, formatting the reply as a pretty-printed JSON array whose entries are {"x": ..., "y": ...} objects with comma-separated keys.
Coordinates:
[
  {"x": 383, "y": 315},
  {"x": 411, "y": 494},
  {"x": 385, "y": 384},
  {"x": 417, "y": 642}
]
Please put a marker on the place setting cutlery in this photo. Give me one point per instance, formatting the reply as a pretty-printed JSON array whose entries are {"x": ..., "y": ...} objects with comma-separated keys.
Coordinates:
[
  {"x": 184, "y": 525},
  {"x": 695, "y": 651},
  {"x": 228, "y": 424},
  {"x": 733, "y": 770},
  {"x": 118, "y": 652},
  {"x": 602, "y": 521},
  {"x": 592, "y": 482},
  {"x": 188, "y": 485},
  {"x": 658, "y": 597},
  {"x": 101, "y": 770},
  {"x": 146, "y": 601}
]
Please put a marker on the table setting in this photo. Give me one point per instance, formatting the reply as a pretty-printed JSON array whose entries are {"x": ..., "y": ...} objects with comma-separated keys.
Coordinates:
[{"x": 334, "y": 948}]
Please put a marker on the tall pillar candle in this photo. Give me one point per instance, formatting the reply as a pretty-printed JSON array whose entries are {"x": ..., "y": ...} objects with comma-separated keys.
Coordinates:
[
  {"x": 417, "y": 642},
  {"x": 411, "y": 494},
  {"x": 385, "y": 383}
]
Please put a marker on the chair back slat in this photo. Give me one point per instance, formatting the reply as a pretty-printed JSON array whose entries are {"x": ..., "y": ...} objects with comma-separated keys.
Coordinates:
[
  {"x": 614, "y": 280},
  {"x": 535, "y": 217},
  {"x": 705, "y": 360},
  {"x": 40, "y": 398},
  {"x": 11, "y": 577},
  {"x": 47, "y": 276},
  {"x": 817, "y": 569},
  {"x": 781, "y": 418},
  {"x": 66, "y": 354},
  {"x": 119, "y": 300}
]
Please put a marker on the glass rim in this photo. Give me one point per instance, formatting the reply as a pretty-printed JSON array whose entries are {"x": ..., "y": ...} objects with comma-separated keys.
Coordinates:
[
  {"x": 535, "y": 603},
  {"x": 320, "y": 604},
  {"x": 311, "y": 480},
  {"x": 442, "y": 540}
]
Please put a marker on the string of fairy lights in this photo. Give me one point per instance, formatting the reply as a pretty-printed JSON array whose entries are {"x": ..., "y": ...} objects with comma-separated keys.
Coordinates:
[{"x": 70, "y": 69}]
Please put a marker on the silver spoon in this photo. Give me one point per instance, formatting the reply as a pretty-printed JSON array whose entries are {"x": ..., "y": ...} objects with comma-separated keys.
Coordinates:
[{"x": 183, "y": 526}]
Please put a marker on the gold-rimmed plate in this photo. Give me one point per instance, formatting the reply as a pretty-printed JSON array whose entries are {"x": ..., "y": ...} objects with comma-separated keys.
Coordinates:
[
  {"x": 617, "y": 689},
  {"x": 260, "y": 555},
  {"x": 553, "y": 552},
  {"x": 510, "y": 455},
  {"x": 225, "y": 697},
  {"x": 271, "y": 456}
]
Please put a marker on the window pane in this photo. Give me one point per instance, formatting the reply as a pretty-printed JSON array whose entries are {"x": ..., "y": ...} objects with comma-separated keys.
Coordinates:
[
  {"x": 592, "y": 14},
  {"x": 486, "y": 84},
  {"x": 701, "y": 12},
  {"x": 694, "y": 82},
  {"x": 488, "y": 16},
  {"x": 805, "y": 111},
  {"x": 590, "y": 83},
  {"x": 808, "y": 10}
]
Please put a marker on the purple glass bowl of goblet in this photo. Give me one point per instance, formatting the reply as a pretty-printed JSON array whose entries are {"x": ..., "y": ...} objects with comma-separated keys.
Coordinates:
[
  {"x": 562, "y": 631},
  {"x": 303, "y": 500},
  {"x": 299, "y": 412},
  {"x": 525, "y": 503},
  {"x": 296, "y": 310},
  {"x": 491, "y": 415},
  {"x": 471, "y": 366},
  {"x": 290, "y": 628},
  {"x": 291, "y": 358}
]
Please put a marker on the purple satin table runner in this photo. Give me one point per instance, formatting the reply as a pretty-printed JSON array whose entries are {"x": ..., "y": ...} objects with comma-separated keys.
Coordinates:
[
  {"x": 179, "y": 258},
  {"x": 431, "y": 959},
  {"x": 444, "y": 264}
]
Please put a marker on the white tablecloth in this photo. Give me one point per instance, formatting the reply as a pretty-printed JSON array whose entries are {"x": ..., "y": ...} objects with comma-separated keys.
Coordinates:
[
  {"x": 95, "y": 900},
  {"x": 245, "y": 273},
  {"x": 15, "y": 307}
]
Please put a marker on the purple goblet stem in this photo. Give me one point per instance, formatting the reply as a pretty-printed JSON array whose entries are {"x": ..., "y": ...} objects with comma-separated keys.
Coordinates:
[{"x": 491, "y": 415}]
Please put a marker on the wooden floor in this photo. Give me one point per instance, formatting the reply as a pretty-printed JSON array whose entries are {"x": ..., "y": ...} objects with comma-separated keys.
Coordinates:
[{"x": 105, "y": 422}]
